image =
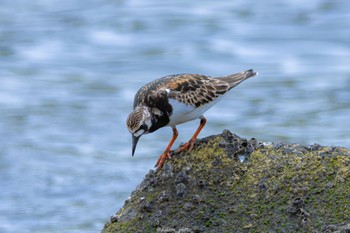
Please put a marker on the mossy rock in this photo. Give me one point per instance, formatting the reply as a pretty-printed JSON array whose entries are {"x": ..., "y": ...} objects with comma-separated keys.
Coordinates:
[{"x": 230, "y": 184}]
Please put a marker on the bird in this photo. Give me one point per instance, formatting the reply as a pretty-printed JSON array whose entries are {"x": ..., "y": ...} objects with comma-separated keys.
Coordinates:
[{"x": 176, "y": 99}]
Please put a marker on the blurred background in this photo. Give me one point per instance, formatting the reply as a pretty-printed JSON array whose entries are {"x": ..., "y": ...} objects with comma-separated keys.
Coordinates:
[{"x": 69, "y": 71}]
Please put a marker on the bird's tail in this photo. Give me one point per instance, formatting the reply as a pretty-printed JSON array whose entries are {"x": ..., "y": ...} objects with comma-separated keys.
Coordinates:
[{"x": 235, "y": 79}]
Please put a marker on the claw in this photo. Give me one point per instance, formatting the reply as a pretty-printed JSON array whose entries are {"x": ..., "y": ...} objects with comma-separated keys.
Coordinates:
[
  {"x": 187, "y": 146},
  {"x": 162, "y": 158}
]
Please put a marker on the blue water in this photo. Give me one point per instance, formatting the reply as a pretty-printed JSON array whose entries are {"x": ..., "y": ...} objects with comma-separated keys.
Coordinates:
[{"x": 68, "y": 73}]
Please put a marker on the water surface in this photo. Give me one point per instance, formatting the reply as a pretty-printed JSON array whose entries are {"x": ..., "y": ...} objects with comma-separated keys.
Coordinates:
[{"x": 68, "y": 73}]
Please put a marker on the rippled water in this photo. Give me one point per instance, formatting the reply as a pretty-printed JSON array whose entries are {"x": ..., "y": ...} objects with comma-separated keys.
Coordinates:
[{"x": 68, "y": 73}]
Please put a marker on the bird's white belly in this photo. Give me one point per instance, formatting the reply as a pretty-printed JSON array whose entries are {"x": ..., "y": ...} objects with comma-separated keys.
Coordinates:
[{"x": 183, "y": 112}]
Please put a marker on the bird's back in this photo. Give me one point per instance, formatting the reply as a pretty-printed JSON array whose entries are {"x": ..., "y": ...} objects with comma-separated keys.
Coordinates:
[
  {"x": 193, "y": 89},
  {"x": 149, "y": 88}
]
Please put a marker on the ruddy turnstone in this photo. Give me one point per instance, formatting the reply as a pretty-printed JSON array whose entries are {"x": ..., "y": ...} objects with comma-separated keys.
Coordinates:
[{"x": 176, "y": 99}]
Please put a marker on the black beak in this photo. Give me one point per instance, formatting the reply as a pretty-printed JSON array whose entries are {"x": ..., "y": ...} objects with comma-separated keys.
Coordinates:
[{"x": 134, "y": 143}]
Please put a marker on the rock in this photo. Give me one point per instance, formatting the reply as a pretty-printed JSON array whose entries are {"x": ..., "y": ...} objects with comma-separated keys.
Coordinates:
[
  {"x": 278, "y": 188},
  {"x": 181, "y": 190}
]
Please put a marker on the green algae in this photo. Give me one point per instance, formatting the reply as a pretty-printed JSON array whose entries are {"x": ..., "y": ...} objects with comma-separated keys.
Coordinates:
[{"x": 280, "y": 188}]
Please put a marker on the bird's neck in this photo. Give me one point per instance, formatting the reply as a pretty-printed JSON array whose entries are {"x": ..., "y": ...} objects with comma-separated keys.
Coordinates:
[{"x": 159, "y": 119}]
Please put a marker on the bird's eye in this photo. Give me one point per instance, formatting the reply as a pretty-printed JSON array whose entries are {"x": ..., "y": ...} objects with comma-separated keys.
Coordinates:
[
  {"x": 141, "y": 130},
  {"x": 144, "y": 127}
]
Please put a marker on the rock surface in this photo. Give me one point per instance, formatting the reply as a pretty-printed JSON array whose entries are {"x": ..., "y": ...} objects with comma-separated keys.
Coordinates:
[{"x": 230, "y": 184}]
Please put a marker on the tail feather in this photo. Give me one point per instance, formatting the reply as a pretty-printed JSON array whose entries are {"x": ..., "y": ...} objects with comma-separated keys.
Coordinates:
[{"x": 235, "y": 79}]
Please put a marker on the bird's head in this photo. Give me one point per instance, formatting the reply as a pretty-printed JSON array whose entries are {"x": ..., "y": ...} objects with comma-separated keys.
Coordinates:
[{"x": 138, "y": 124}]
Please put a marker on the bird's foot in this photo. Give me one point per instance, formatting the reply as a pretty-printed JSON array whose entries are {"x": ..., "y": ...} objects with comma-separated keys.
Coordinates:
[
  {"x": 166, "y": 154},
  {"x": 187, "y": 146}
]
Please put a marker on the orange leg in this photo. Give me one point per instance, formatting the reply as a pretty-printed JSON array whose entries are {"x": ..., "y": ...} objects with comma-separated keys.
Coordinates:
[
  {"x": 189, "y": 145},
  {"x": 166, "y": 153}
]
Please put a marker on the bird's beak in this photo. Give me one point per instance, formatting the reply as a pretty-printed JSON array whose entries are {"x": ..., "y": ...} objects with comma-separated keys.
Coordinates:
[{"x": 134, "y": 143}]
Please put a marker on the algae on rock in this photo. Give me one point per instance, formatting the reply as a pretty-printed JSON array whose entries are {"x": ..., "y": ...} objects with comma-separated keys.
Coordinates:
[{"x": 278, "y": 188}]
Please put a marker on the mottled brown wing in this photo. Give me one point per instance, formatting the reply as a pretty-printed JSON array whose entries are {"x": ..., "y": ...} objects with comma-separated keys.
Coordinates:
[{"x": 194, "y": 89}]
